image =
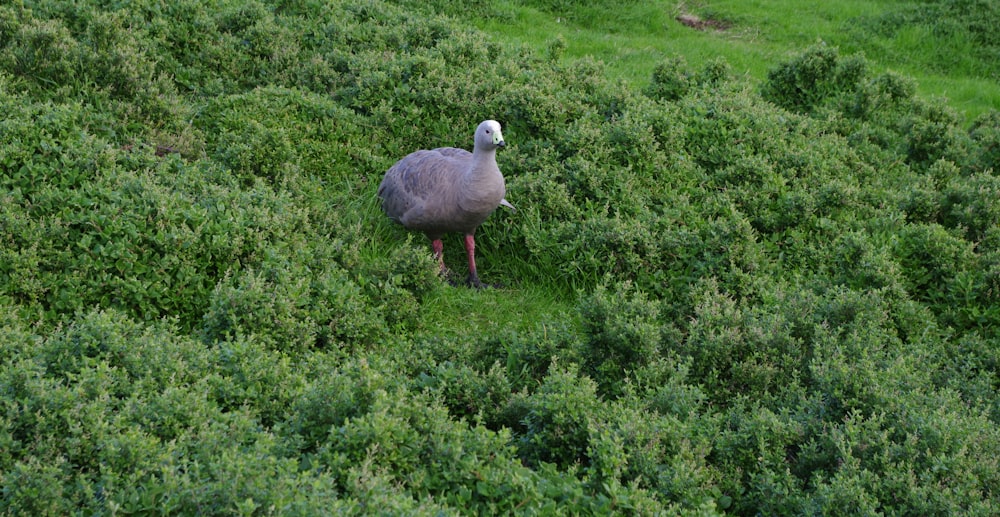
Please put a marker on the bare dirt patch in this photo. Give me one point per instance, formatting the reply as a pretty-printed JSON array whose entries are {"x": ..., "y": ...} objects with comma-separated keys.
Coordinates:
[{"x": 703, "y": 24}]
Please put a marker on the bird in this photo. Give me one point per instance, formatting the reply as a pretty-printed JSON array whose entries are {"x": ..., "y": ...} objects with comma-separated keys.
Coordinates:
[{"x": 448, "y": 189}]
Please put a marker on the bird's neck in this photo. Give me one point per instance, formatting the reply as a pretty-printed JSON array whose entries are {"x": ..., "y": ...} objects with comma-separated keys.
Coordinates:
[{"x": 483, "y": 185}]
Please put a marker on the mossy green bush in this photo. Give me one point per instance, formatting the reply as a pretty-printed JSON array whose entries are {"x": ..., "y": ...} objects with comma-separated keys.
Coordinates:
[
  {"x": 525, "y": 357},
  {"x": 671, "y": 80},
  {"x": 623, "y": 334},
  {"x": 776, "y": 298},
  {"x": 985, "y": 132}
]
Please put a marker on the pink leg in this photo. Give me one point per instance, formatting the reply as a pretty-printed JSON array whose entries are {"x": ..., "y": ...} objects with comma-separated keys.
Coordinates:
[
  {"x": 470, "y": 248},
  {"x": 438, "y": 247}
]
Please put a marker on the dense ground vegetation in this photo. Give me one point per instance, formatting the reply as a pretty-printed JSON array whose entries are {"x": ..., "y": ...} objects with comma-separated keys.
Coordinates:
[{"x": 776, "y": 298}]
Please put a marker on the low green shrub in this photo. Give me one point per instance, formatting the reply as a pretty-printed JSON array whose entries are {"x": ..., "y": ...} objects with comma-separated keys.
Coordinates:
[
  {"x": 970, "y": 368},
  {"x": 738, "y": 350},
  {"x": 671, "y": 80},
  {"x": 970, "y": 204},
  {"x": 437, "y": 459},
  {"x": 931, "y": 134},
  {"x": 526, "y": 357},
  {"x": 557, "y": 419},
  {"x": 48, "y": 151},
  {"x": 752, "y": 452},
  {"x": 139, "y": 242},
  {"x": 985, "y": 132},
  {"x": 305, "y": 134},
  {"x": 396, "y": 284},
  {"x": 884, "y": 93},
  {"x": 806, "y": 81},
  {"x": 622, "y": 334},
  {"x": 636, "y": 458},
  {"x": 857, "y": 261},
  {"x": 931, "y": 258},
  {"x": 292, "y": 309}
]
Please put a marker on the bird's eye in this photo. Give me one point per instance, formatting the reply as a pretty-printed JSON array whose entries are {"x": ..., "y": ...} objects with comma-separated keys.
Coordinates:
[{"x": 487, "y": 131}]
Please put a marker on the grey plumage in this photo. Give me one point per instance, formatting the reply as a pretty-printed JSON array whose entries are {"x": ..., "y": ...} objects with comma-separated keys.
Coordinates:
[{"x": 447, "y": 190}]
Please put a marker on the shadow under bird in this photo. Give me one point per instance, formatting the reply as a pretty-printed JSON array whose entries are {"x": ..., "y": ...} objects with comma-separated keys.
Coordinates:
[{"x": 448, "y": 190}]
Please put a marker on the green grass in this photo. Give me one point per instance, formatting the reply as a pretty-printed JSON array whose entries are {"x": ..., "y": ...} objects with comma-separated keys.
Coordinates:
[
  {"x": 468, "y": 313},
  {"x": 633, "y": 37}
]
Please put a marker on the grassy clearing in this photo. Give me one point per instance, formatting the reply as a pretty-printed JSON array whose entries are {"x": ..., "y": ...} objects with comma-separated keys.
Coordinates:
[
  {"x": 468, "y": 314},
  {"x": 631, "y": 38}
]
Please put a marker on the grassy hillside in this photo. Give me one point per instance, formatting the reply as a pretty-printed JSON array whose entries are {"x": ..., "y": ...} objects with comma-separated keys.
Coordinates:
[
  {"x": 948, "y": 47},
  {"x": 723, "y": 293}
]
